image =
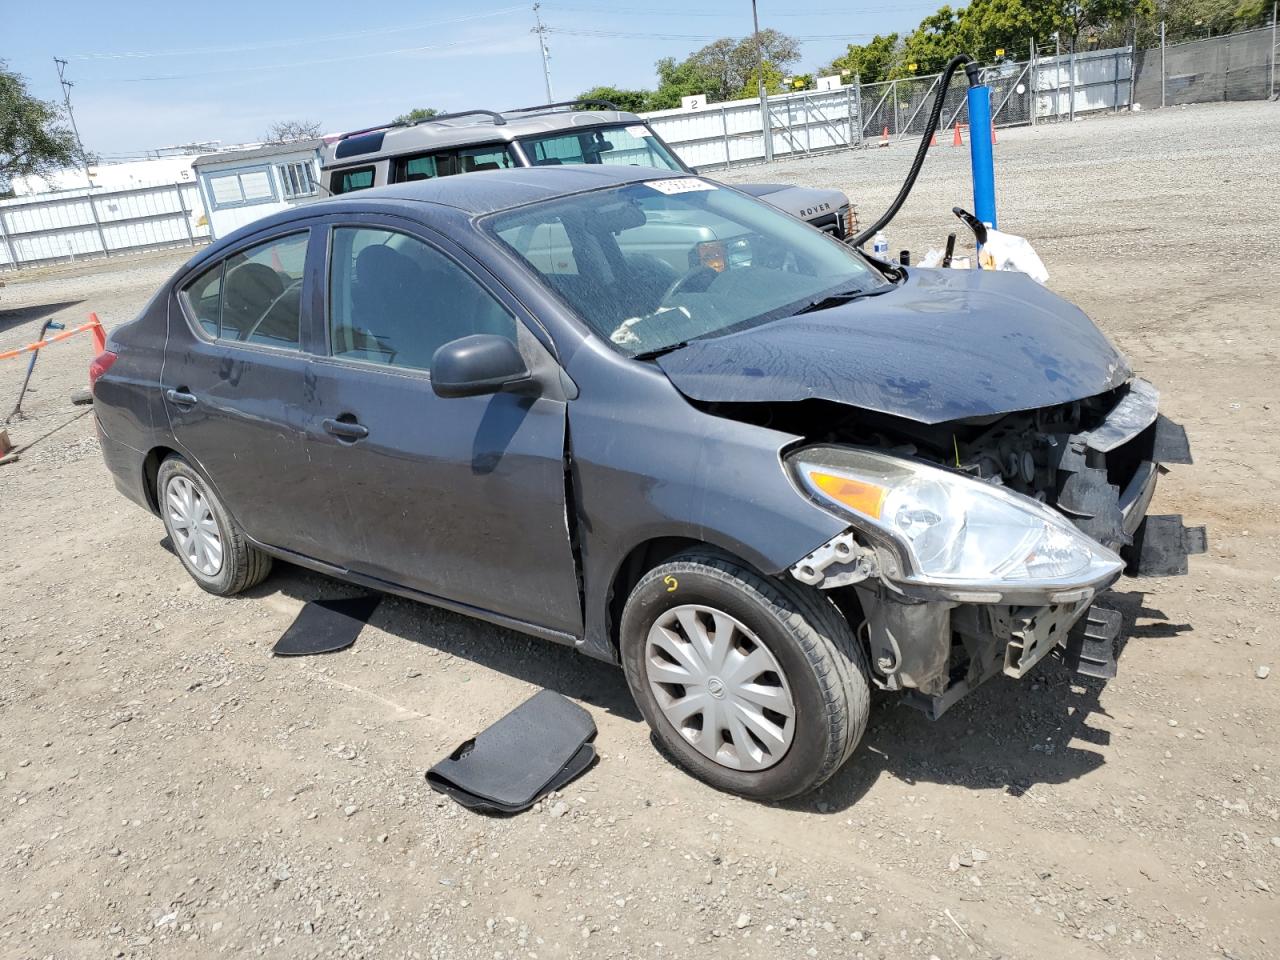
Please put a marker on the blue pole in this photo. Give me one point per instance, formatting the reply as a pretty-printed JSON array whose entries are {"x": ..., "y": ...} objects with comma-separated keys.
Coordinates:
[{"x": 984, "y": 171}]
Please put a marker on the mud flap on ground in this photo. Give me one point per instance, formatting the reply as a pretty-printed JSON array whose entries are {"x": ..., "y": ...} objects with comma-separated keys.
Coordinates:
[
  {"x": 1090, "y": 647},
  {"x": 1161, "y": 545}
]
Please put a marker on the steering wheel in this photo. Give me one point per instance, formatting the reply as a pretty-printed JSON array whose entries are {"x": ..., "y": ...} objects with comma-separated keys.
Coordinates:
[
  {"x": 246, "y": 334},
  {"x": 697, "y": 280}
]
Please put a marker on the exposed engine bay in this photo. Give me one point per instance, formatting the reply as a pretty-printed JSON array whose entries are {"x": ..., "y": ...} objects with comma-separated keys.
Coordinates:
[{"x": 1096, "y": 461}]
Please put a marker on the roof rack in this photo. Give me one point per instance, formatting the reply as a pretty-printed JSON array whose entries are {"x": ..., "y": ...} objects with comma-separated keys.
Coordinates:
[
  {"x": 589, "y": 101},
  {"x": 497, "y": 119}
]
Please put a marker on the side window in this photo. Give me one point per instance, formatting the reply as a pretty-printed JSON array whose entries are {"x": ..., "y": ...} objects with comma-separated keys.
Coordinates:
[
  {"x": 495, "y": 157},
  {"x": 262, "y": 292},
  {"x": 395, "y": 300},
  {"x": 345, "y": 181},
  {"x": 204, "y": 298},
  {"x": 425, "y": 167}
]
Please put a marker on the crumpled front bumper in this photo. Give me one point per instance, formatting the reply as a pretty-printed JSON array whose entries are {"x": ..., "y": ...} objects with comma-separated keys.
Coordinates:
[{"x": 936, "y": 645}]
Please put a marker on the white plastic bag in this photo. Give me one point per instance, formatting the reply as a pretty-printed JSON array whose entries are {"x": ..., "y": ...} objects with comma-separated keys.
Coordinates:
[{"x": 1004, "y": 251}]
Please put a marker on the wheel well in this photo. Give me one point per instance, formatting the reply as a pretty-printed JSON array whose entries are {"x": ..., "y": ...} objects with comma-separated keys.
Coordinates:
[
  {"x": 637, "y": 563},
  {"x": 150, "y": 471}
]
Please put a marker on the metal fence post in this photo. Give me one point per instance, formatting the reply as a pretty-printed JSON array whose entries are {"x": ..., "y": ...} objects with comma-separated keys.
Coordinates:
[
  {"x": 1115, "y": 82},
  {"x": 897, "y": 122},
  {"x": 8, "y": 243},
  {"x": 1071, "y": 83},
  {"x": 1033, "y": 83},
  {"x": 186, "y": 217},
  {"x": 1163, "y": 101},
  {"x": 857, "y": 82},
  {"x": 1271, "y": 87},
  {"x": 102, "y": 237},
  {"x": 1057, "y": 77}
]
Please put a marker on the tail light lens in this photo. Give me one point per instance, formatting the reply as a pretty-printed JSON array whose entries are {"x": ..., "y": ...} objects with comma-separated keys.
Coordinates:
[{"x": 100, "y": 365}]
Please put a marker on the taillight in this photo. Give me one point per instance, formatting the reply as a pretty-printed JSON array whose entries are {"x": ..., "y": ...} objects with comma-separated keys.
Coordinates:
[{"x": 101, "y": 364}]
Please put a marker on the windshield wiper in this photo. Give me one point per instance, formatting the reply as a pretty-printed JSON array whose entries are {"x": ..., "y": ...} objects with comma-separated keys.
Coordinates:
[
  {"x": 836, "y": 299},
  {"x": 659, "y": 351}
]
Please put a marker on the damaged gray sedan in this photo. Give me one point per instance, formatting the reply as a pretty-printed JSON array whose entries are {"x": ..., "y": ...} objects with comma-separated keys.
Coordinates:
[{"x": 649, "y": 416}]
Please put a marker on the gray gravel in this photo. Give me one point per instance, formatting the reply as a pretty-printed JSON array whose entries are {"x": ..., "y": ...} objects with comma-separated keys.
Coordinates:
[{"x": 167, "y": 789}]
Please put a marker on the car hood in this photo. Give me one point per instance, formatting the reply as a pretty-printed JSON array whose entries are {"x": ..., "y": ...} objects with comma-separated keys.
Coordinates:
[
  {"x": 942, "y": 345},
  {"x": 803, "y": 202}
]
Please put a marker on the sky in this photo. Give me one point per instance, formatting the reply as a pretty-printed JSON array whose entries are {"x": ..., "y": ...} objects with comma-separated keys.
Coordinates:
[{"x": 149, "y": 74}]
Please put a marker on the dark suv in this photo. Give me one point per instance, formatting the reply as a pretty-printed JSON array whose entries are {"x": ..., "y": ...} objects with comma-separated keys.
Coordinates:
[{"x": 762, "y": 472}]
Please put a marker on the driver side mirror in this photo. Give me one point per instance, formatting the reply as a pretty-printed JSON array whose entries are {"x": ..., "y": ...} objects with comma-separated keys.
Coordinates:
[{"x": 473, "y": 366}]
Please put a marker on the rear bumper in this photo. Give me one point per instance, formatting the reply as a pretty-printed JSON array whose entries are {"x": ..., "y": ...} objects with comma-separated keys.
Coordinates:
[{"x": 126, "y": 466}]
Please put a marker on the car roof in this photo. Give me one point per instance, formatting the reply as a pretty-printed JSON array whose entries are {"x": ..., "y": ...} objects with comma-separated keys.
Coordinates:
[
  {"x": 469, "y": 194},
  {"x": 485, "y": 191},
  {"x": 473, "y": 127}
]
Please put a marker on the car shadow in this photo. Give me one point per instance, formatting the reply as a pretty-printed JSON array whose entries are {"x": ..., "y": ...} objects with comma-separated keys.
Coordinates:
[
  {"x": 535, "y": 661},
  {"x": 17, "y": 316},
  {"x": 1008, "y": 735}
]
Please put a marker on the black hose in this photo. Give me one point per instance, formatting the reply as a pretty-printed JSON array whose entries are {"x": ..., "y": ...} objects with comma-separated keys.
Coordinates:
[{"x": 922, "y": 151}]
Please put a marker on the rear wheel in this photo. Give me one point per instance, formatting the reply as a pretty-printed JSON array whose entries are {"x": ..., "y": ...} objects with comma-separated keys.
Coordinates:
[
  {"x": 207, "y": 540},
  {"x": 755, "y": 685}
]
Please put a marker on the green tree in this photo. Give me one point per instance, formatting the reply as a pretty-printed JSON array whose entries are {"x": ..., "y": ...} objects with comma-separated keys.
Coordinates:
[
  {"x": 726, "y": 69},
  {"x": 873, "y": 61},
  {"x": 33, "y": 139},
  {"x": 417, "y": 114},
  {"x": 633, "y": 101}
]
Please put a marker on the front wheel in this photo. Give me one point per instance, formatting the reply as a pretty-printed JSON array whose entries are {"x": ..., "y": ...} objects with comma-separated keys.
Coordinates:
[
  {"x": 756, "y": 686},
  {"x": 205, "y": 536}
]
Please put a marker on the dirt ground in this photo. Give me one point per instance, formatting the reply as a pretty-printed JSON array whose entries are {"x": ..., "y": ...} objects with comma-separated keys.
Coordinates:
[{"x": 167, "y": 789}]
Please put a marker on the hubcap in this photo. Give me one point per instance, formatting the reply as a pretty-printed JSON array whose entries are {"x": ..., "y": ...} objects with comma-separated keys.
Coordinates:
[
  {"x": 193, "y": 526},
  {"x": 720, "y": 687}
]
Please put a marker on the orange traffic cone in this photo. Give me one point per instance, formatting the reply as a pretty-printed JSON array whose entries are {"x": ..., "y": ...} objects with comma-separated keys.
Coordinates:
[
  {"x": 933, "y": 140},
  {"x": 994, "y": 141},
  {"x": 884, "y": 138},
  {"x": 955, "y": 139}
]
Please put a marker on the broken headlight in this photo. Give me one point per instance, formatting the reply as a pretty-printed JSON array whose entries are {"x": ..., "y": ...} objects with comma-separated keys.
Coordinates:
[{"x": 953, "y": 530}]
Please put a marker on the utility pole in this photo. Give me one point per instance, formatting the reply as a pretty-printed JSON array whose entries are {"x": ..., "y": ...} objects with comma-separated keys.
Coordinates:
[
  {"x": 1163, "y": 100},
  {"x": 766, "y": 129},
  {"x": 541, "y": 31},
  {"x": 66, "y": 99}
]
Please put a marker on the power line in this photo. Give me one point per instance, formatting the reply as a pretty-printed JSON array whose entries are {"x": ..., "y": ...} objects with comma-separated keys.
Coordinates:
[
  {"x": 292, "y": 42},
  {"x": 886, "y": 8},
  {"x": 628, "y": 35}
]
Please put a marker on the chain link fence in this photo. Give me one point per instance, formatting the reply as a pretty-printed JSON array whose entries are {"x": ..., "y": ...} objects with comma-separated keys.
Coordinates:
[{"x": 1236, "y": 66}]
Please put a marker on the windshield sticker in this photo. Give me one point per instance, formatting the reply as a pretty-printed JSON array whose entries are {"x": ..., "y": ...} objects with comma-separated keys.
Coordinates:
[
  {"x": 639, "y": 130},
  {"x": 680, "y": 185}
]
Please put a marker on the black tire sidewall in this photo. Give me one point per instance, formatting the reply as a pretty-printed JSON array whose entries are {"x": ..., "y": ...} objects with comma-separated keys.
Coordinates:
[
  {"x": 221, "y": 583},
  {"x": 805, "y": 760}
]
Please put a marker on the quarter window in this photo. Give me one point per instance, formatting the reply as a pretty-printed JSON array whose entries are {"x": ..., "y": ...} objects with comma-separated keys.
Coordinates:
[
  {"x": 255, "y": 295},
  {"x": 395, "y": 300}
]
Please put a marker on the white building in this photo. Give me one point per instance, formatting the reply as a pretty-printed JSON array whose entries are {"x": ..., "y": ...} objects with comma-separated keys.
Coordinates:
[
  {"x": 239, "y": 186},
  {"x": 111, "y": 176}
]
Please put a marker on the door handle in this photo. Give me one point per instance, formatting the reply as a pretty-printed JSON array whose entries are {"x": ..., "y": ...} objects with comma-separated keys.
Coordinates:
[
  {"x": 181, "y": 398},
  {"x": 346, "y": 431}
]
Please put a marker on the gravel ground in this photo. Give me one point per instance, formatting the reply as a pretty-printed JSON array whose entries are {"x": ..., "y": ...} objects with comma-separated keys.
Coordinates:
[{"x": 168, "y": 790}]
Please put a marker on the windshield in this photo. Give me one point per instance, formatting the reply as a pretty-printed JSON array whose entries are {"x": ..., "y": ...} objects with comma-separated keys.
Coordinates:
[
  {"x": 630, "y": 144},
  {"x": 649, "y": 266}
]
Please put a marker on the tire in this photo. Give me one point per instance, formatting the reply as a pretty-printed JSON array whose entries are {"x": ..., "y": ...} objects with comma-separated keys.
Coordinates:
[
  {"x": 239, "y": 565},
  {"x": 820, "y": 666}
]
